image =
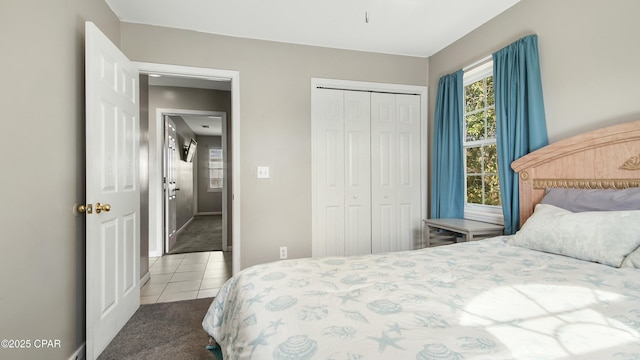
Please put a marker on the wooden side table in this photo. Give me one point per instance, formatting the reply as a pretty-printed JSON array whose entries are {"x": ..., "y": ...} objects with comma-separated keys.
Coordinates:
[{"x": 470, "y": 229}]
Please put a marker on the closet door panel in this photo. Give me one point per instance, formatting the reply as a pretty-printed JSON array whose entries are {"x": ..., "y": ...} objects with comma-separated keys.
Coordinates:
[
  {"x": 384, "y": 228},
  {"x": 357, "y": 197},
  {"x": 383, "y": 172},
  {"x": 333, "y": 231},
  {"x": 328, "y": 168},
  {"x": 395, "y": 166},
  {"x": 409, "y": 188}
]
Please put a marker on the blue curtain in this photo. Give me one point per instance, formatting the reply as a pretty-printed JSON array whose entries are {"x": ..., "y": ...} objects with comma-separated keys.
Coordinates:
[
  {"x": 521, "y": 123},
  {"x": 447, "y": 187}
]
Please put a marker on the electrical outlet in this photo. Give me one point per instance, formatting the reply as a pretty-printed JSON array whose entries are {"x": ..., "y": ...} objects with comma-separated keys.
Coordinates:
[
  {"x": 263, "y": 172},
  {"x": 283, "y": 252}
]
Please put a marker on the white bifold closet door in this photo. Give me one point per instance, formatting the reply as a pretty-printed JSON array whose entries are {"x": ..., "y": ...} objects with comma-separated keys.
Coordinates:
[
  {"x": 395, "y": 172},
  {"x": 366, "y": 169},
  {"x": 342, "y": 210}
]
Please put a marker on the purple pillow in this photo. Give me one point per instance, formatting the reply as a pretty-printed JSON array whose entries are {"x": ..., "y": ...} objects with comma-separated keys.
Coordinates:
[{"x": 579, "y": 200}]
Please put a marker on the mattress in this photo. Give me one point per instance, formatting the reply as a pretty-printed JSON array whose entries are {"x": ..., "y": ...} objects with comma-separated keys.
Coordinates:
[{"x": 476, "y": 300}]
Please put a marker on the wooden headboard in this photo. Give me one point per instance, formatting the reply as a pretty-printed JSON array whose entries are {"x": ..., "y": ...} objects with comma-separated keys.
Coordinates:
[{"x": 607, "y": 158}]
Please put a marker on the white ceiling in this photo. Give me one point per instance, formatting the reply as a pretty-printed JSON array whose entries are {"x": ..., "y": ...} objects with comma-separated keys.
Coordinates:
[
  {"x": 203, "y": 125},
  {"x": 404, "y": 27}
]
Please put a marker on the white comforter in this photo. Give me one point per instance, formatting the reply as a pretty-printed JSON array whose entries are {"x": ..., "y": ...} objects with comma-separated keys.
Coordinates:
[{"x": 477, "y": 300}]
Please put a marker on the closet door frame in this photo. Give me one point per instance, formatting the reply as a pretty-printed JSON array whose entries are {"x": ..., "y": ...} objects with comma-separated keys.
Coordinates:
[{"x": 337, "y": 84}]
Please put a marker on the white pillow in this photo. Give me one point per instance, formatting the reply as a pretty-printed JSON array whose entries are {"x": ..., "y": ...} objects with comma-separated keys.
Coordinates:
[
  {"x": 605, "y": 237},
  {"x": 632, "y": 260}
]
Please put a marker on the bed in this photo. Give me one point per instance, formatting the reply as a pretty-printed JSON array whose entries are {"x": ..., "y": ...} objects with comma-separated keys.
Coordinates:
[{"x": 566, "y": 286}]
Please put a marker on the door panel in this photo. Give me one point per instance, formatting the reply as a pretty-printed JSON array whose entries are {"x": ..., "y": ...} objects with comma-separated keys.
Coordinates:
[
  {"x": 406, "y": 226},
  {"x": 334, "y": 236},
  {"x": 171, "y": 158},
  {"x": 409, "y": 189},
  {"x": 112, "y": 233},
  {"x": 395, "y": 168},
  {"x": 357, "y": 198},
  {"x": 385, "y": 228},
  {"x": 332, "y": 162},
  {"x": 130, "y": 275},
  {"x": 383, "y": 172},
  {"x": 328, "y": 144},
  {"x": 108, "y": 242},
  {"x": 130, "y": 150},
  {"x": 405, "y": 160}
]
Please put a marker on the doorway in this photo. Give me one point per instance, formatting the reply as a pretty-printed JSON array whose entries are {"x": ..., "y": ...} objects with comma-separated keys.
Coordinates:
[
  {"x": 195, "y": 179},
  {"x": 156, "y": 243}
]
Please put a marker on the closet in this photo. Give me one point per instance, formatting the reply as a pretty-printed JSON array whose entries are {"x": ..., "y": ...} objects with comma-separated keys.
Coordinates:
[{"x": 366, "y": 171}]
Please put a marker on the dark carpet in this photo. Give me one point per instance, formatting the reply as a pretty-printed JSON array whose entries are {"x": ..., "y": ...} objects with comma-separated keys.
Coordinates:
[
  {"x": 163, "y": 331},
  {"x": 204, "y": 233}
]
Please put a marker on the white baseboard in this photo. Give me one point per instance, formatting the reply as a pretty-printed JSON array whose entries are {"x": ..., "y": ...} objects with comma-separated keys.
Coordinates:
[
  {"x": 80, "y": 354},
  {"x": 183, "y": 226},
  {"x": 145, "y": 278},
  {"x": 210, "y": 213}
]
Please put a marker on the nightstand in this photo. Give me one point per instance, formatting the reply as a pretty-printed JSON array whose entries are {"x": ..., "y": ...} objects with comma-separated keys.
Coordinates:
[{"x": 470, "y": 229}]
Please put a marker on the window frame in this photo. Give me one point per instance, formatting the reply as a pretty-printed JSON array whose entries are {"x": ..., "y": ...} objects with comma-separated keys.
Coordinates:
[
  {"x": 480, "y": 212},
  {"x": 212, "y": 169}
]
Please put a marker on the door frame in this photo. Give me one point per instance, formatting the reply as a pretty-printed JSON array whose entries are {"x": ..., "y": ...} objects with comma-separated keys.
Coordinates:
[
  {"x": 160, "y": 114},
  {"x": 422, "y": 91},
  {"x": 155, "y": 149}
]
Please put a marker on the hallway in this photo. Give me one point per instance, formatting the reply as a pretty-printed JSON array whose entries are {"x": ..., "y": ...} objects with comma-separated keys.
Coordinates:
[
  {"x": 176, "y": 277},
  {"x": 203, "y": 233}
]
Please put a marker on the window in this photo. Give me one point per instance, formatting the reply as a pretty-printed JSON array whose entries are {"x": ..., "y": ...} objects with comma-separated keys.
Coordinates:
[
  {"x": 215, "y": 169},
  {"x": 482, "y": 199}
]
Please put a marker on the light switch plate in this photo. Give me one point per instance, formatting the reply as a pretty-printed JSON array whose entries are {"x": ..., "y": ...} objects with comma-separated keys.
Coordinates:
[{"x": 263, "y": 172}]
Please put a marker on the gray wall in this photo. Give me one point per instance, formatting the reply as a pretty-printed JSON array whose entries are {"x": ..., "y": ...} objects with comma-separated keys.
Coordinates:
[
  {"x": 42, "y": 261},
  {"x": 208, "y": 201},
  {"x": 589, "y": 54},
  {"x": 275, "y": 96}
]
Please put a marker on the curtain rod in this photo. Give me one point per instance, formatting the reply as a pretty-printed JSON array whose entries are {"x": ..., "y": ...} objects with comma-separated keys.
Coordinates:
[{"x": 369, "y": 91}]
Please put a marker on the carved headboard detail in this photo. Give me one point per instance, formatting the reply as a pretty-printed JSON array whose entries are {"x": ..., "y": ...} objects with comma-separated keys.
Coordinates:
[
  {"x": 585, "y": 183},
  {"x": 607, "y": 158},
  {"x": 632, "y": 164}
]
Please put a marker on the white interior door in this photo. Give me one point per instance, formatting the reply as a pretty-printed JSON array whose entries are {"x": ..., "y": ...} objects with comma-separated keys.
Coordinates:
[
  {"x": 113, "y": 231},
  {"x": 357, "y": 197},
  {"x": 342, "y": 209},
  {"x": 171, "y": 158},
  {"x": 408, "y": 189},
  {"x": 395, "y": 172},
  {"x": 328, "y": 169}
]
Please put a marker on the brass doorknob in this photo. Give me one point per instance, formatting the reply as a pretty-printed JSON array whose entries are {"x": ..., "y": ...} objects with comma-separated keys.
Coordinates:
[
  {"x": 99, "y": 208},
  {"x": 81, "y": 209}
]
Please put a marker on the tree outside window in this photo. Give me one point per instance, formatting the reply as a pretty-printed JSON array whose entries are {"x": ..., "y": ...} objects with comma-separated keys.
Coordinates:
[{"x": 480, "y": 149}]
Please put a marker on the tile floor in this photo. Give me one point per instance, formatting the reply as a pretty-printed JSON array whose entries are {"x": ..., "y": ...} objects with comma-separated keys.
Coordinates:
[{"x": 186, "y": 276}]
